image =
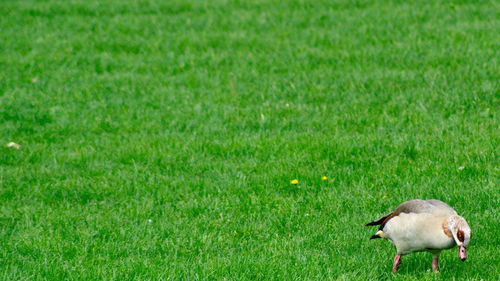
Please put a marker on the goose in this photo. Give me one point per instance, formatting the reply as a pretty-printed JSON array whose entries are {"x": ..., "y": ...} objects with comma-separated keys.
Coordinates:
[{"x": 424, "y": 225}]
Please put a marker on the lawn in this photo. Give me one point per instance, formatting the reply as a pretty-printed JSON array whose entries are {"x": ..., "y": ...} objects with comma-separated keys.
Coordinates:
[{"x": 159, "y": 138}]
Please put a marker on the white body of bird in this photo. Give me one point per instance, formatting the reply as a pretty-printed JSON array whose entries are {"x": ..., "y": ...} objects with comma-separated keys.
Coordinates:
[{"x": 417, "y": 232}]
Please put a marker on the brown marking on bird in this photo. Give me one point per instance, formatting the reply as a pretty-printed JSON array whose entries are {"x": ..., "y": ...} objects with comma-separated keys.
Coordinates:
[
  {"x": 460, "y": 235},
  {"x": 444, "y": 226}
]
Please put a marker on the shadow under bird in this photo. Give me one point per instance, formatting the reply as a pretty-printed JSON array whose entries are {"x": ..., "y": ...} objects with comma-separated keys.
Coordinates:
[{"x": 424, "y": 225}]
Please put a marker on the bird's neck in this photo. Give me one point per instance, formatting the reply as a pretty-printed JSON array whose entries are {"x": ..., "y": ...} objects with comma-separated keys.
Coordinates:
[{"x": 446, "y": 228}]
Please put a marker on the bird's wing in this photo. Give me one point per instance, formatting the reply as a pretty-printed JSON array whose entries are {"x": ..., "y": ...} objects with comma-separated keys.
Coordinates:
[{"x": 416, "y": 206}]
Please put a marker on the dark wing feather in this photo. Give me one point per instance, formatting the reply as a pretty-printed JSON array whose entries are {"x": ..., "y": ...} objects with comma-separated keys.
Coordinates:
[{"x": 382, "y": 221}]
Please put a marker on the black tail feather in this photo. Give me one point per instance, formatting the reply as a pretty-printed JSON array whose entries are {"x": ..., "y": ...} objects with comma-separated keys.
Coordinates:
[
  {"x": 378, "y": 222},
  {"x": 375, "y": 237}
]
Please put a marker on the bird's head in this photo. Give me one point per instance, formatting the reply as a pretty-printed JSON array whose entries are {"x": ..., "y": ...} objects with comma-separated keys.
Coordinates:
[{"x": 460, "y": 230}]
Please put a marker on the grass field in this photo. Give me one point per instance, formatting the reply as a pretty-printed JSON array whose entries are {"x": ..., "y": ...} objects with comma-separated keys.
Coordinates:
[{"x": 159, "y": 138}]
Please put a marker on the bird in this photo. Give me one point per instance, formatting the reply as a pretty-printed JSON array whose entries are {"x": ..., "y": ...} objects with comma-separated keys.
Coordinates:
[{"x": 424, "y": 225}]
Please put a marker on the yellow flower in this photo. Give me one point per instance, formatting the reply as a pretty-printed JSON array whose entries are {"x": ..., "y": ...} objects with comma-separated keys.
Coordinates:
[
  {"x": 324, "y": 178},
  {"x": 294, "y": 181}
]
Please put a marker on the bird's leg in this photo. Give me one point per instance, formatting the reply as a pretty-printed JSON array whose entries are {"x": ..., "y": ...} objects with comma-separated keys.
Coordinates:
[
  {"x": 435, "y": 260},
  {"x": 397, "y": 262}
]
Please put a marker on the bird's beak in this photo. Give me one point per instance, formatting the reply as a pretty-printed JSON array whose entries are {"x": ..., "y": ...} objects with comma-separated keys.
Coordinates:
[{"x": 462, "y": 253}]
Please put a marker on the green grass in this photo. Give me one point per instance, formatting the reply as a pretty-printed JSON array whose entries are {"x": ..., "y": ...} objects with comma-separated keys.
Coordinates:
[{"x": 159, "y": 138}]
